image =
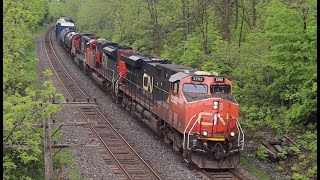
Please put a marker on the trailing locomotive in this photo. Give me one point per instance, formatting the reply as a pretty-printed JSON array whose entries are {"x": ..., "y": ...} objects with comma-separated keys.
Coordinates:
[
  {"x": 64, "y": 23},
  {"x": 193, "y": 110}
]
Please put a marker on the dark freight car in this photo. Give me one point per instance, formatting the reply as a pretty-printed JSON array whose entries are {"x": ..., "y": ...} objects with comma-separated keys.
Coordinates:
[
  {"x": 63, "y": 34},
  {"x": 68, "y": 40}
]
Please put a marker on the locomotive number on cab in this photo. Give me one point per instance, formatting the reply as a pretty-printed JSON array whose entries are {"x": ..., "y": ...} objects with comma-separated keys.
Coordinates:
[{"x": 197, "y": 78}]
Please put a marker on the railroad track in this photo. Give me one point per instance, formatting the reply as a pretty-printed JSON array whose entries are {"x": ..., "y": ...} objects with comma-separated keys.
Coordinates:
[
  {"x": 225, "y": 174},
  {"x": 68, "y": 83},
  {"x": 126, "y": 162}
]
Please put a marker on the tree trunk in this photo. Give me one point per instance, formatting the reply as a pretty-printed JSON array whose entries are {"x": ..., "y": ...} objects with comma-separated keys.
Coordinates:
[
  {"x": 227, "y": 20},
  {"x": 254, "y": 13},
  {"x": 155, "y": 30},
  {"x": 188, "y": 18},
  {"x": 237, "y": 15},
  {"x": 241, "y": 24},
  {"x": 304, "y": 17},
  {"x": 205, "y": 44},
  {"x": 185, "y": 17},
  {"x": 201, "y": 20},
  {"x": 226, "y": 15}
]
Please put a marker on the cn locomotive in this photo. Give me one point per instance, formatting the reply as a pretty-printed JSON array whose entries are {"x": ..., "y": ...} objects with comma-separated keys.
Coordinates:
[{"x": 193, "y": 110}]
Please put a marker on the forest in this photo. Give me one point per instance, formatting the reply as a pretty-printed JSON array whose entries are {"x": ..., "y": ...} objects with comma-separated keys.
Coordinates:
[
  {"x": 267, "y": 48},
  {"x": 26, "y": 96}
]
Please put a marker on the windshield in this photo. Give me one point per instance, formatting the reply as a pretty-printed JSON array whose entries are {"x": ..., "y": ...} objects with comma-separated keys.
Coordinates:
[
  {"x": 195, "y": 88},
  {"x": 222, "y": 89}
]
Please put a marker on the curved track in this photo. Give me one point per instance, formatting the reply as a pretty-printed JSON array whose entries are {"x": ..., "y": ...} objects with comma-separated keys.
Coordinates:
[
  {"x": 126, "y": 162},
  {"x": 68, "y": 83}
]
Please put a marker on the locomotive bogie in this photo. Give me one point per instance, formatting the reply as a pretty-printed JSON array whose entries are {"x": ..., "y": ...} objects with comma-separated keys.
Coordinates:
[
  {"x": 101, "y": 81},
  {"x": 147, "y": 117},
  {"x": 203, "y": 160}
]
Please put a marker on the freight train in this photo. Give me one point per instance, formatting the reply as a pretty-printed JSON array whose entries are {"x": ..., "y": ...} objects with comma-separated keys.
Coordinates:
[{"x": 193, "y": 110}]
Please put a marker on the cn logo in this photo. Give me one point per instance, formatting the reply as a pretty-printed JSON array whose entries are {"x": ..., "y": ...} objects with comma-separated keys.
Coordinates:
[{"x": 147, "y": 82}]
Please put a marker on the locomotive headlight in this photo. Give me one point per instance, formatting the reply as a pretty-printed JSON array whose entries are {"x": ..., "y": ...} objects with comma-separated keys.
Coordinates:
[
  {"x": 204, "y": 133},
  {"x": 215, "y": 105},
  {"x": 232, "y": 134}
]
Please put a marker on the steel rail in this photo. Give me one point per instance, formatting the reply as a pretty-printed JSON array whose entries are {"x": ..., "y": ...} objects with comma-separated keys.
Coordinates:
[
  {"x": 50, "y": 61},
  {"x": 127, "y": 143},
  {"x": 236, "y": 174},
  {"x": 223, "y": 174},
  {"x": 105, "y": 145}
]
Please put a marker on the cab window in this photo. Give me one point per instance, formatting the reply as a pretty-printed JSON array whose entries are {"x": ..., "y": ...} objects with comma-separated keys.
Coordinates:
[
  {"x": 195, "y": 88},
  {"x": 175, "y": 87},
  {"x": 222, "y": 89}
]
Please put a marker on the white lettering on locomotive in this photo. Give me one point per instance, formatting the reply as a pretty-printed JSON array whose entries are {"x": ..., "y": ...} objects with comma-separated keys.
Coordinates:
[
  {"x": 104, "y": 60},
  {"x": 174, "y": 99},
  {"x": 147, "y": 82}
]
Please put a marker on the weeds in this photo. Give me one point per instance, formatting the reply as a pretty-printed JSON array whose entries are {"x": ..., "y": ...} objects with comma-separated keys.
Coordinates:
[
  {"x": 261, "y": 174},
  {"x": 261, "y": 152}
]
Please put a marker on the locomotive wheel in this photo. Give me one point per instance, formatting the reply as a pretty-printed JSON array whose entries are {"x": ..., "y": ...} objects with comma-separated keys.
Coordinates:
[
  {"x": 128, "y": 106},
  {"x": 167, "y": 139},
  {"x": 187, "y": 157},
  {"x": 88, "y": 71},
  {"x": 108, "y": 86},
  {"x": 185, "y": 153},
  {"x": 175, "y": 146}
]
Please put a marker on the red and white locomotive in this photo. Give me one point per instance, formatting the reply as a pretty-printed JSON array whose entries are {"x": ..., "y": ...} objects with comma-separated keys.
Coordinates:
[{"x": 194, "y": 110}]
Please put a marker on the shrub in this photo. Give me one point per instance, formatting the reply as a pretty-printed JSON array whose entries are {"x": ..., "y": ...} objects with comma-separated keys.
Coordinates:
[
  {"x": 297, "y": 176},
  {"x": 261, "y": 152}
]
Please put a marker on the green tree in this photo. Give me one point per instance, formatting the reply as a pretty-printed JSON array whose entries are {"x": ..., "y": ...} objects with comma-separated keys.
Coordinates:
[
  {"x": 25, "y": 100},
  {"x": 294, "y": 81}
]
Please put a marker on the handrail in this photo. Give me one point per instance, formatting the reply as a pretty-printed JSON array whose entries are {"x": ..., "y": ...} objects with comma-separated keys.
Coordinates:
[
  {"x": 184, "y": 132},
  {"x": 190, "y": 131},
  {"x": 240, "y": 136},
  {"x": 199, "y": 117},
  {"x": 116, "y": 88},
  {"x": 240, "y": 128}
]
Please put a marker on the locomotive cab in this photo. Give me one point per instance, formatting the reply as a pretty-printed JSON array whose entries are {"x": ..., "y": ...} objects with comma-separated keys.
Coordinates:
[
  {"x": 90, "y": 53},
  {"x": 79, "y": 48},
  {"x": 101, "y": 43},
  {"x": 212, "y": 135}
]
